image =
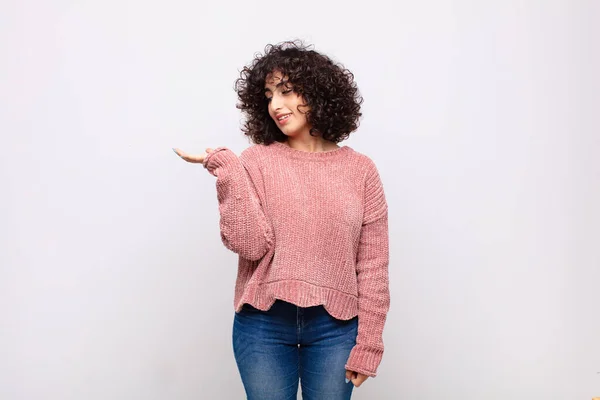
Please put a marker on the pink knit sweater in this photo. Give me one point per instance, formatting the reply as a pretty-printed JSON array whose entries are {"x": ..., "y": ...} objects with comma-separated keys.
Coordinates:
[{"x": 310, "y": 228}]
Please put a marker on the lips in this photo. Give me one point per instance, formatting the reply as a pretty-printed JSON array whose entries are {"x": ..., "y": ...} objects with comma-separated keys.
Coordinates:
[{"x": 282, "y": 119}]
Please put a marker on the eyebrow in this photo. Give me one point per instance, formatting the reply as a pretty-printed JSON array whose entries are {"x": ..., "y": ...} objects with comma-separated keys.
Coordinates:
[{"x": 281, "y": 83}]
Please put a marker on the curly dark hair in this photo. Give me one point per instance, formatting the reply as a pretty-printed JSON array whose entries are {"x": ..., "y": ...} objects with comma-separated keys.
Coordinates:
[{"x": 328, "y": 89}]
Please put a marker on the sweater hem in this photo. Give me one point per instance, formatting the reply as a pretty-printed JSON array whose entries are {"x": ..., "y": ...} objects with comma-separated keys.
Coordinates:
[{"x": 338, "y": 304}]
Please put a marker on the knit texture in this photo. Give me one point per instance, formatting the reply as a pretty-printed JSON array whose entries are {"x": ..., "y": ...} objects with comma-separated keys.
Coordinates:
[{"x": 310, "y": 228}]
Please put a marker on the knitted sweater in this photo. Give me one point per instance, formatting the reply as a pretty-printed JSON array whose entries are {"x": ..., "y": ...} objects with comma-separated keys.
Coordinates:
[{"x": 310, "y": 228}]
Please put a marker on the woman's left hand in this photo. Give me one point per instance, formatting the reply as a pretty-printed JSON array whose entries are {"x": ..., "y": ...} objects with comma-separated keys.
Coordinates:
[{"x": 356, "y": 377}]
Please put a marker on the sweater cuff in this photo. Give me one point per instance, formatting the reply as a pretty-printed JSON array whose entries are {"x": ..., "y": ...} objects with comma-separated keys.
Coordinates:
[
  {"x": 364, "y": 359},
  {"x": 217, "y": 158}
]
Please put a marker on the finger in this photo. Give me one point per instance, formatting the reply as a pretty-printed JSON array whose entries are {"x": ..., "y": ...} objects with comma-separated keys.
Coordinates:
[
  {"x": 181, "y": 153},
  {"x": 193, "y": 158},
  {"x": 360, "y": 380},
  {"x": 355, "y": 379},
  {"x": 189, "y": 157},
  {"x": 351, "y": 376},
  {"x": 209, "y": 149}
]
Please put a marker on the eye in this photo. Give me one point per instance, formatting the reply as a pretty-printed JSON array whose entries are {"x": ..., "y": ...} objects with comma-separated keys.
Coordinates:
[{"x": 268, "y": 99}]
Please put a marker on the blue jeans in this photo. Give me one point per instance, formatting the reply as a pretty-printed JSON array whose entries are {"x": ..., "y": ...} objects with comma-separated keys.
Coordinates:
[{"x": 276, "y": 349}]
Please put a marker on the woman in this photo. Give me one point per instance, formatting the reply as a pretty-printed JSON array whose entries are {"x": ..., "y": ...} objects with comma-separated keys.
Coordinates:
[{"x": 309, "y": 222}]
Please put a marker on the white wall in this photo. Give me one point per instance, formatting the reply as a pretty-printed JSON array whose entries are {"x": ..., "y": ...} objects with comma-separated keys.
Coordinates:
[{"x": 481, "y": 116}]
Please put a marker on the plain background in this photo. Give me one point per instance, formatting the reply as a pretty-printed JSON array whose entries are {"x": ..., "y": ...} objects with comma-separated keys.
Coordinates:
[{"x": 482, "y": 117}]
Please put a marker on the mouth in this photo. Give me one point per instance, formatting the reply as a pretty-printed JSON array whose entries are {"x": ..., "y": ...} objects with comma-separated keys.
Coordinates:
[{"x": 282, "y": 119}]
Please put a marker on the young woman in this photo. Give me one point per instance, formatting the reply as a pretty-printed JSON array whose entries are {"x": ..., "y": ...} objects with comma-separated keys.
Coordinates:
[{"x": 309, "y": 221}]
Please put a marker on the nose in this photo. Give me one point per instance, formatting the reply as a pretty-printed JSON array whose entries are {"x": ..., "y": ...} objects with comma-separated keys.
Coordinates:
[{"x": 276, "y": 102}]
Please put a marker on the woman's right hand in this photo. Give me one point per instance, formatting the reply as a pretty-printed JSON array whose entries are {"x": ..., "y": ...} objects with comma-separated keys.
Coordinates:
[{"x": 193, "y": 158}]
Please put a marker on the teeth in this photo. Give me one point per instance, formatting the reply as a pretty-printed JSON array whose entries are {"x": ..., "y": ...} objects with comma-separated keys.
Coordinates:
[{"x": 283, "y": 117}]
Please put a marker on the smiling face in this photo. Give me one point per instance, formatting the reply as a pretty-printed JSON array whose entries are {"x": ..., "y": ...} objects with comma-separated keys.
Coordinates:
[{"x": 283, "y": 104}]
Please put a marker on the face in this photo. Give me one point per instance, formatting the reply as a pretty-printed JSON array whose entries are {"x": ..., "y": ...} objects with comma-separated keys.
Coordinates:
[{"x": 284, "y": 102}]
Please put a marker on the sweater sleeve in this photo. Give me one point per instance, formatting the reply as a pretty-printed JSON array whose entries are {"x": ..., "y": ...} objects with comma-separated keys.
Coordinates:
[
  {"x": 243, "y": 225},
  {"x": 373, "y": 281}
]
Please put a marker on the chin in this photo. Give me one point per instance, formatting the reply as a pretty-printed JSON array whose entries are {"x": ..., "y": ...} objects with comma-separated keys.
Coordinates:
[{"x": 287, "y": 133}]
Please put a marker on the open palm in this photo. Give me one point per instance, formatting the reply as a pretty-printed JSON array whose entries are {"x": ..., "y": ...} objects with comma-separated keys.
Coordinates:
[{"x": 192, "y": 158}]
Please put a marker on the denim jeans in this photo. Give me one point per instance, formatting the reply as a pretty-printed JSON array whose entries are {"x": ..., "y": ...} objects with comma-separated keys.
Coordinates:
[{"x": 276, "y": 349}]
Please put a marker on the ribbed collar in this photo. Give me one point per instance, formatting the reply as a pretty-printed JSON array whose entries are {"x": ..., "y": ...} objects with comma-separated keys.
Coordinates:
[{"x": 310, "y": 154}]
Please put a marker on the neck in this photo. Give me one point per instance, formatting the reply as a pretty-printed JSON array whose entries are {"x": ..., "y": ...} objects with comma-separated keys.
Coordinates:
[{"x": 311, "y": 144}]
